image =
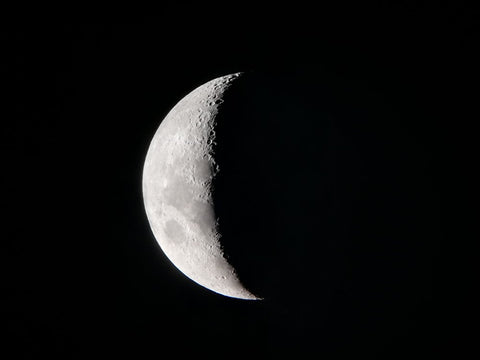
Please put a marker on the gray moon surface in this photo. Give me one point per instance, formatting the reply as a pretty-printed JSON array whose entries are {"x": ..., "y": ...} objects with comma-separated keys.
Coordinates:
[{"x": 177, "y": 190}]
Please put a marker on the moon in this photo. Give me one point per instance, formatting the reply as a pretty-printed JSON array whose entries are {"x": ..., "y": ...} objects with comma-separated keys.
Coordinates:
[{"x": 177, "y": 190}]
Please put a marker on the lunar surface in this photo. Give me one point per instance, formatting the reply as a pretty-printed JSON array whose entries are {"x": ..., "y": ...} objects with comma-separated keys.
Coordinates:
[{"x": 177, "y": 190}]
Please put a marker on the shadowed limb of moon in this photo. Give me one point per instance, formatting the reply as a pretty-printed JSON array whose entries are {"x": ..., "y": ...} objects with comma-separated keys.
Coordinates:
[{"x": 177, "y": 190}]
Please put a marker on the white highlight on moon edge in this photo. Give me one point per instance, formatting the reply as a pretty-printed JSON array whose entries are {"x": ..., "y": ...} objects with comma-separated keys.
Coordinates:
[{"x": 177, "y": 190}]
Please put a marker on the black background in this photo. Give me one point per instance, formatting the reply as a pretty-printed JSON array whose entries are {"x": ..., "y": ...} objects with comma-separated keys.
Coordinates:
[{"x": 333, "y": 138}]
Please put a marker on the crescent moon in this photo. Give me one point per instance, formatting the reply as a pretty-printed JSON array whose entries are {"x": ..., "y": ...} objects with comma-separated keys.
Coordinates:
[{"x": 177, "y": 190}]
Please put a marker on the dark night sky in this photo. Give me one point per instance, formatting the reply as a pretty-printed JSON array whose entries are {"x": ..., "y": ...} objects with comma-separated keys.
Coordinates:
[{"x": 334, "y": 182}]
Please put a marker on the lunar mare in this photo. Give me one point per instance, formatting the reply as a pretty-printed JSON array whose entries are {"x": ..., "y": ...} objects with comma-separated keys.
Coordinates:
[{"x": 177, "y": 190}]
